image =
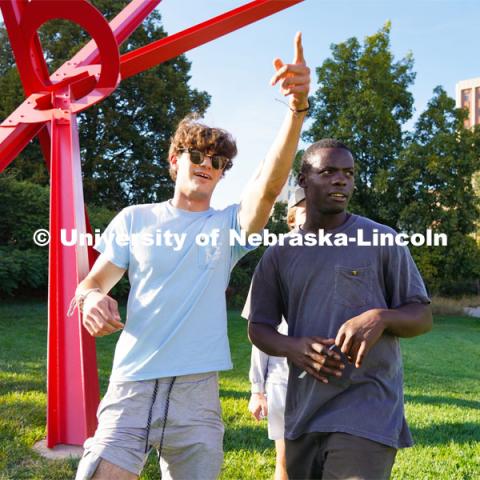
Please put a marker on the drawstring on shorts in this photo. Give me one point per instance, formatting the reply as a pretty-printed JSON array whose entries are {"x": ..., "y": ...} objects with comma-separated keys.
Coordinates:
[{"x": 165, "y": 415}]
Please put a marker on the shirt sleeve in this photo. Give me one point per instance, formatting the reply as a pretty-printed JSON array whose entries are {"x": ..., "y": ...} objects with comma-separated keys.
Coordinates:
[
  {"x": 265, "y": 302},
  {"x": 114, "y": 243},
  {"x": 258, "y": 370},
  {"x": 238, "y": 249},
  {"x": 404, "y": 284}
]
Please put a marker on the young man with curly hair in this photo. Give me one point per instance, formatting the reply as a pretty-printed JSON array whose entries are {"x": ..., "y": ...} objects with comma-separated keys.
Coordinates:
[{"x": 163, "y": 391}]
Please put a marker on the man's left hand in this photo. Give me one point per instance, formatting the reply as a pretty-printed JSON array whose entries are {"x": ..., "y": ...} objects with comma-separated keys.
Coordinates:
[
  {"x": 294, "y": 77},
  {"x": 359, "y": 334}
]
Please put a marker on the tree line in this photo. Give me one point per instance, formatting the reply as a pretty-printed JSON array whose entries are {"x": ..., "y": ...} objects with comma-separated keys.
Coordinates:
[{"x": 408, "y": 178}]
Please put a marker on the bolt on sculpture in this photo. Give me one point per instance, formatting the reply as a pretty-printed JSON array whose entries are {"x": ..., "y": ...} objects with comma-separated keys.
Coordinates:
[{"x": 49, "y": 111}]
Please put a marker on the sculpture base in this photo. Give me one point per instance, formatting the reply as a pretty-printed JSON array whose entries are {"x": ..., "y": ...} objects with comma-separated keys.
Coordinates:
[{"x": 59, "y": 452}]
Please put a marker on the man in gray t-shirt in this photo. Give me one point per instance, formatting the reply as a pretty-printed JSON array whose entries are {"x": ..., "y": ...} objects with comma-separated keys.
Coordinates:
[{"x": 346, "y": 306}]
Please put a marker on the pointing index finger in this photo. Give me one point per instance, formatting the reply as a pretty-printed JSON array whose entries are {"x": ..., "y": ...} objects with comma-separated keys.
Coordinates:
[{"x": 298, "y": 58}]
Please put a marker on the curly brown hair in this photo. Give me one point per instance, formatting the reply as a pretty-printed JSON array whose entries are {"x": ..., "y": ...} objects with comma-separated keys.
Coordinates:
[{"x": 191, "y": 133}]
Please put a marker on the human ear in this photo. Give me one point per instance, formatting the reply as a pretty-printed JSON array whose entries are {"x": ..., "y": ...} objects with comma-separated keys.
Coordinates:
[
  {"x": 301, "y": 180},
  {"x": 173, "y": 160}
]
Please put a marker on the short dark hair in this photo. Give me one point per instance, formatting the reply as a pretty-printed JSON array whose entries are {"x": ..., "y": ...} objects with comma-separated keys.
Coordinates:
[
  {"x": 191, "y": 133},
  {"x": 313, "y": 149}
]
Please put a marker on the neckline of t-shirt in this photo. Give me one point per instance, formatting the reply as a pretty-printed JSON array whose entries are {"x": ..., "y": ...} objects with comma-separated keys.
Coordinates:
[
  {"x": 344, "y": 226},
  {"x": 181, "y": 211}
]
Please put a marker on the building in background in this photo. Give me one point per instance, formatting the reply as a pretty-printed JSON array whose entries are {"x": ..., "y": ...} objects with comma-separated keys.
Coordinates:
[{"x": 468, "y": 96}]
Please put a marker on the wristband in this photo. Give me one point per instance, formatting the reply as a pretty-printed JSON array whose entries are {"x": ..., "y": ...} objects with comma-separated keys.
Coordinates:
[
  {"x": 302, "y": 110},
  {"x": 79, "y": 299}
]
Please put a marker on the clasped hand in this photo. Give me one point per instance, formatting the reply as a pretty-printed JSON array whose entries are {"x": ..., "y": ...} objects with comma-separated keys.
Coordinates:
[
  {"x": 359, "y": 334},
  {"x": 354, "y": 339},
  {"x": 100, "y": 315}
]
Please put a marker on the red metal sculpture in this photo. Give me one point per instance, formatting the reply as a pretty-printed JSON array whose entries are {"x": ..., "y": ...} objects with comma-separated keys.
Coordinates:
[{"x": 49, "y": 111}]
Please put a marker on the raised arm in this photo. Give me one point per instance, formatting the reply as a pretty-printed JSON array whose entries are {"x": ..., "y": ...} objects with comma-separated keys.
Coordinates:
[{"x": 264, "y": 188}]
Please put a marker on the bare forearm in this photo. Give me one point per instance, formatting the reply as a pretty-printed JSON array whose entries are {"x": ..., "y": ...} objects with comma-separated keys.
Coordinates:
[
  {"x": 104, "y": 275},
  {"x": 268, "y": 340},
  {"x": 261, "y": 193},
  {"x": 87, "y": 284},
  {"x": 407, "y": 321},
  {"x": 279, "y": 159}
]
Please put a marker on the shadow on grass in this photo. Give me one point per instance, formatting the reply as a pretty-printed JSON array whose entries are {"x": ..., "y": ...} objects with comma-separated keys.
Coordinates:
[
  {"x": 253, "y": 439},
  {"x": 20, "y": 382},
  {"x": 445, "y": 433},
  {"x": 19, "y": 415},
  {"x": 437, "y": 400},
  {"x": 234, "y": 394}
]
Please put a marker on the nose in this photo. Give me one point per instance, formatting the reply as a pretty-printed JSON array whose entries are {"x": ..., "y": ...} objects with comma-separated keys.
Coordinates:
[
  {"x": 207, "y": 161},
  {"x": 339, "y": 179}
]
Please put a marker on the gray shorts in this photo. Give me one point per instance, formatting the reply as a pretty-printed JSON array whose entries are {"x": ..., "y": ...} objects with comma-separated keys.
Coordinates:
[{"x": 130, "y": 424}]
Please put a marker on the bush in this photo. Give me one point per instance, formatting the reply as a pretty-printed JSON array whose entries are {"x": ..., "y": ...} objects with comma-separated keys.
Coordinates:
[
  {"x": 24, "y": 208},
  {"x": 22, "y": 270},
  {"x": 453, "y": 306}
]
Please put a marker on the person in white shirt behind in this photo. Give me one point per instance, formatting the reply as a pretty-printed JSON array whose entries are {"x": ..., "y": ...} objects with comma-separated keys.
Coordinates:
[{"x": 269, "y": 375}]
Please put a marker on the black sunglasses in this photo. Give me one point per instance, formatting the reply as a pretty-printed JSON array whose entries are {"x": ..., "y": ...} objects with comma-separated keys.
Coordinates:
[{"x": 219, "y": 162}]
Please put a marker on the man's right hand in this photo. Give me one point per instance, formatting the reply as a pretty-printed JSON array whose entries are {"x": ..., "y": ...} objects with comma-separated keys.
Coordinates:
[
  {"x": 257, "y": 406},
  {"x": 100, "y": 315},
  {"x": 312, "y": 355}
]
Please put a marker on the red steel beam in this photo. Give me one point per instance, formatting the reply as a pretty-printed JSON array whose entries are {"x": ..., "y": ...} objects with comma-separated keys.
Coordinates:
[
  {"x": 14, "y": 139},
  {"x": 123, "y": 25},
  {"x": 73, "y": 389},
  {"x": 12, "y": 142},
  {"x": 154, "y": 53},
  {"x": 12, "y": 13},
  {"x": 169, "y": 47}
]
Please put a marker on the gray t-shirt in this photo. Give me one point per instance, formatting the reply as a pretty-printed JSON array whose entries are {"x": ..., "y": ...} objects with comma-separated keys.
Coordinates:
[{"x": 317, "y": 289}]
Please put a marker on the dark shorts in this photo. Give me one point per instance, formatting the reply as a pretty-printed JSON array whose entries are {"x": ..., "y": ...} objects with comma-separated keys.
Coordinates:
[{"x": 338, "y": 456}]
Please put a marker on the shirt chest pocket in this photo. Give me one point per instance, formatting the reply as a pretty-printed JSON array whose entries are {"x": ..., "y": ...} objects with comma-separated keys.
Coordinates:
[
  {"x": 209, "y": 256},
  {"x": 353, "y": 286}
]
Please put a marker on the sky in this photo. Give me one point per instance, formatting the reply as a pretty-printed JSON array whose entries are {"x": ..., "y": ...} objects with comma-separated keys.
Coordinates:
[{"x": 235, "y": 69}]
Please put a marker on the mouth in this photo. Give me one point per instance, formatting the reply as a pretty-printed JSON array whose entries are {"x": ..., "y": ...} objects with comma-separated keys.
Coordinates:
[
  {"x": 202, "y": 174},
  {"x": 338, "y": 196}
]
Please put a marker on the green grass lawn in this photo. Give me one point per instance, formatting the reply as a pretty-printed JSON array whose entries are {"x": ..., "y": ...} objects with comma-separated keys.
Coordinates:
[{"x": 442, "y": 388}]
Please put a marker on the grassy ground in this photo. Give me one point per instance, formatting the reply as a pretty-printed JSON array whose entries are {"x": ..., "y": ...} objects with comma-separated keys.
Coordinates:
[{"x": 442, "y": 387}]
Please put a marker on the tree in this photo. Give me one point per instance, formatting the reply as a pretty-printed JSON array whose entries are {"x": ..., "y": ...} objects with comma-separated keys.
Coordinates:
[
  {"x": 243, "y": 272},
  {"x": 124, "y": 139},
  {"x": 435, "y": 190},
  {"x": 363, "y": 100},
  {"x": 297, "y": 164},
  {"x": 23, "y": 264}
]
